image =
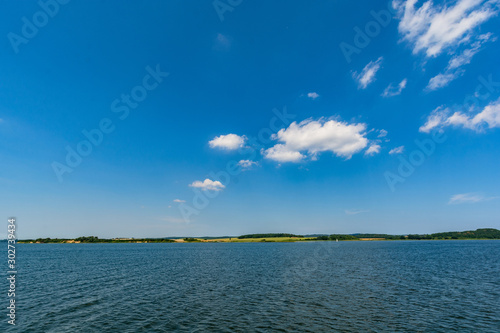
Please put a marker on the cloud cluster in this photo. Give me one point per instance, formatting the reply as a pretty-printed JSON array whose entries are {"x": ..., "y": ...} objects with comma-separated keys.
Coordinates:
[
  {"x": 228, "y": 142},
  {"x": 435, "y": 28},
  {"x": 310, "y": 137},
  {"x": 488, "y": 117},
  {"x": 208, "y": 185},
  {"x": 368, "y": 73},
  {"x": 454, "y": 70}
]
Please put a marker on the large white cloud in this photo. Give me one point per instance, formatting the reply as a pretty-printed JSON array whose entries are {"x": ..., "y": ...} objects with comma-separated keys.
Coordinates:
[
  {"x": 432, "y": 29},
  {"x": 208, "y": 185},
  {"x": 310, "y": 137},
  {"x": 229, "y": 141},
  {"x": 368, "y": 73},
  {"x": 488, "y": 117}
]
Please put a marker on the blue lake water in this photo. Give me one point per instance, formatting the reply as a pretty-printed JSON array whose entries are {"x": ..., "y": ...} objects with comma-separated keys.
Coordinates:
[{"x": 425, "y": 286}]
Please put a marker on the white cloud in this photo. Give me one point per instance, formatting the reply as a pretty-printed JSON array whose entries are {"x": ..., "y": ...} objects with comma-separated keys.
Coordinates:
[
  {"x": 453, "y": 70},
  {"x": 435, "y": 119},
  {"x": 229, "y": 141},
  {"x": 355, "y": 211},
  {"x": 179, "y": 200},
  {"x": 489, "y": 117},
  {"x": 222, "y": 42},
  {"x": 382, "y": 133},
  {"x": 373, "y": 149},
  {"x": 367, "y": 75},
  {"x": 310, "y": 137},
  {"x": 468, "y": 198},
  {"x": 397, "y": 150},
  {"x": 442, "y": 80},
  {"x": 435, "y": 28},
  {"x": 394, "y": 90},
  {"x": 208, "y": 185},
  {"x": 247, "y": 164},
  {"x": 282, "y": 153},
  {"x": 312, "y": 95}
]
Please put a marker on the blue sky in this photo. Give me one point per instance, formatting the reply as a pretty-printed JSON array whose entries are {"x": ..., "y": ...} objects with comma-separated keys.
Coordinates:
[{"x": 232, "y": 117}]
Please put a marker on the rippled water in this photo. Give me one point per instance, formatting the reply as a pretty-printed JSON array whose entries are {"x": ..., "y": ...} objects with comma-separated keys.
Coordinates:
[{"x": 428, "y": 286}]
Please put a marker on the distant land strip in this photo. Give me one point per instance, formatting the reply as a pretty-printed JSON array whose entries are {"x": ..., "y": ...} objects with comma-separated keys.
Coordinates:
[{"x": 484, "y": 233}]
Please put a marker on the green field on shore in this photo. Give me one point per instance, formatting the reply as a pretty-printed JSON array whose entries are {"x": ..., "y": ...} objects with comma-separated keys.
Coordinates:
[{"x": 485, "y": 233}]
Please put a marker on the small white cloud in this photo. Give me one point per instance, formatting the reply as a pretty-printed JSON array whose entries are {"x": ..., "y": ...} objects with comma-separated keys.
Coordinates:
[
  {"x": 208, "y": 185},
  {"x": 382, "y": 133},
  {"x": 312, "y": 95},
  {"x": 489, "y": 117},
  {"x": 442, "y": 80},
  {"x": 179, "y": 200},
  {"x": 368, "y": 73},
  {"x": 394, "y": 90},
  {"x": 247, "y": 164},
  {"x": 222, "y": 43},
  {"x": 311, "y": 137},
  {"x": 468, "y": 198},
  {"x": 355, "y": 211},
  {"x": 229, "y": 142},
  {"x": 373, "y": 149},
  {"x": 397, "y": 150}
]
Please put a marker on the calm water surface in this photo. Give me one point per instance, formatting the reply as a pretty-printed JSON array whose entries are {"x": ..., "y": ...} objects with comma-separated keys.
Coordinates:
[{"x": 424, "y": 286}]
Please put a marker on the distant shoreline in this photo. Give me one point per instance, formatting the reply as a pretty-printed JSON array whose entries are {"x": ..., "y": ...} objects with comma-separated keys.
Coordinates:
[{"x": 479, "y": 234}]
